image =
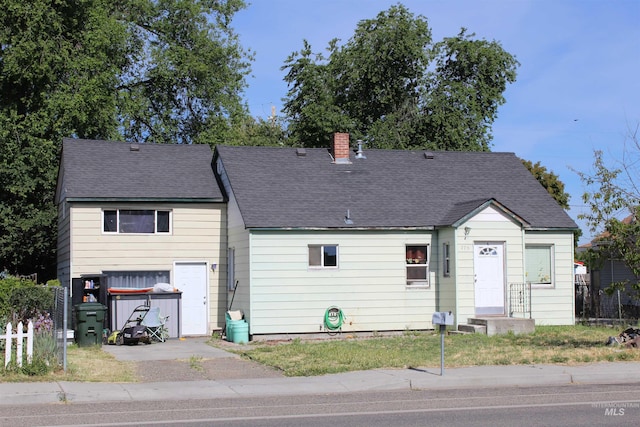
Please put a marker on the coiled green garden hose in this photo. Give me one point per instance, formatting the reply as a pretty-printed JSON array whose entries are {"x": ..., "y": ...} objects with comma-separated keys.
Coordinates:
[{"x": 333, "y": 322}]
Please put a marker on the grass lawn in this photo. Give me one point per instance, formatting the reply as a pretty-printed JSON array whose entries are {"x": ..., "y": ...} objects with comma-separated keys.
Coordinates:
[
  {"x": 86, "y": 364},
  {"x": 568, "y": 345},
  {"x": 548, "y": 345}
]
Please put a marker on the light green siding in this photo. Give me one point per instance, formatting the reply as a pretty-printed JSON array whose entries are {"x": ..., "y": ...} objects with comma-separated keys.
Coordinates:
[
  {"x": 490, "y": 225},
  {"x": 555, "y": 304},
  {"x": 446, "y": 285},
  {"x": 369, "y": 284}
]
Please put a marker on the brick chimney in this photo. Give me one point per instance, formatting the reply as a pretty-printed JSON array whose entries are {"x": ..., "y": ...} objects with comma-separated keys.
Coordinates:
[{"x": 341, "y": 148}]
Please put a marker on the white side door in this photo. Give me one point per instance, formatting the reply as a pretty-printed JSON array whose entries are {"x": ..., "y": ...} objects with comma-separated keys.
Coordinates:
[
  {"x": 191, "y": 279},
  {"x": 488, "y": 264}
]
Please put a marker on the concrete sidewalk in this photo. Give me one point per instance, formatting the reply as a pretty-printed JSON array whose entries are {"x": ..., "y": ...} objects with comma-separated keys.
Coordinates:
[{"x": 373, "y": 380}]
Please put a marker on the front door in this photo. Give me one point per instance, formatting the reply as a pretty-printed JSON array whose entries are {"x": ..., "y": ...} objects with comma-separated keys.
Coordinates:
[
  {"x": 191, "y": 279},
  {"x": 488, "y": 264}
]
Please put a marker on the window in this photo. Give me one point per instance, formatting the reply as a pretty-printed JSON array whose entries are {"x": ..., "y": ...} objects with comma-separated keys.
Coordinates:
[
  {"x": 136, "y": 279},
  {"x": 538, "y": 264},
  {"x": 146, "y": 221},
  {"x": 417, "y": 265},
  {"x": 323, "y": 256},
  {"x": 446, "y": 260}
]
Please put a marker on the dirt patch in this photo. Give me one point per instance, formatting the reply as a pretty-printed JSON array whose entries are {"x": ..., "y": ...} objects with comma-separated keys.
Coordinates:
[{"x": 202, "y": 369}]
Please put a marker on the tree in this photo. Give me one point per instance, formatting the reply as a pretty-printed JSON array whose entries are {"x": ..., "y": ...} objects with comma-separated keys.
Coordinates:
[
  {"x": 136, "y": 70},
  {"x": 614, "y": 200},
  {"x": 550, "y": 181},
  {"x": 393, "y": 87}
]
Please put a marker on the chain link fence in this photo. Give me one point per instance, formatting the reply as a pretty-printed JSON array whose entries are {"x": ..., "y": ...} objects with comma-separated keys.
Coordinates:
[
  {"x": 596, "y": 305},
  {"x": 61, "y": 315}
]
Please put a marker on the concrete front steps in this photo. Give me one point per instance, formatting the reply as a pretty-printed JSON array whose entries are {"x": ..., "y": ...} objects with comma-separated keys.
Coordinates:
[{"x": 496, "y": 325}]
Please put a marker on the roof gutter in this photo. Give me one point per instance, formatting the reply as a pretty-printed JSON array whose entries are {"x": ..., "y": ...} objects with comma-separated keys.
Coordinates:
[
  {"x": 429, "y": 228},
  {"x": 146, "y": 199}
]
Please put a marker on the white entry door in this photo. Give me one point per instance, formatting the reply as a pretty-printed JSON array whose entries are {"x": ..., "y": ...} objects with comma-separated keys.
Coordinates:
[
  {"x": 488, "y": 264},
  {"x": 191, "y": 279}
]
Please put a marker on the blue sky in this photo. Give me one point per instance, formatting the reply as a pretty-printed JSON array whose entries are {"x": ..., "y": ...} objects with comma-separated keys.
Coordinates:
[{"x": 577, "y": 88}]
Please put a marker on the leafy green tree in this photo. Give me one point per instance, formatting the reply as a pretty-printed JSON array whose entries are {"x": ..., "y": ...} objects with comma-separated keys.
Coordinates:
[
  {"x": 550, "y": 181},
  {"x": 259, "y": 132},
  {"x": 614, "y": 200},
  {"x": 137, "y": 70},
  {"x": 393, "y": 87}
]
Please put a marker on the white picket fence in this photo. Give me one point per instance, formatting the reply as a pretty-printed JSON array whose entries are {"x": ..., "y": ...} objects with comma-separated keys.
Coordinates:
[{"x": 19, "y": 336}]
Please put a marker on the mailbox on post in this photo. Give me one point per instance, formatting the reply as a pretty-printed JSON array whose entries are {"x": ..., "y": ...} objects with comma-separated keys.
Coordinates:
[{"x": 442, "y": 319}]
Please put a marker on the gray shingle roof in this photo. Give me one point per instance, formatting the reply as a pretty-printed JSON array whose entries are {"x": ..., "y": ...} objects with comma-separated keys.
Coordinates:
[
  {"x": 275, "y": 188},
  {"x": 112, "y": 170}
]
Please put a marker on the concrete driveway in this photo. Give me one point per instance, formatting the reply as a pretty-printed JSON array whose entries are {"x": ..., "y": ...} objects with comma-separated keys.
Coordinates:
[{"x": 172, "y": 349}]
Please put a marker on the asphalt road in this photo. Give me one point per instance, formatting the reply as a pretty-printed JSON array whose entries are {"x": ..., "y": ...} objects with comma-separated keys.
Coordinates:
[{"x": 571, "y": 405}]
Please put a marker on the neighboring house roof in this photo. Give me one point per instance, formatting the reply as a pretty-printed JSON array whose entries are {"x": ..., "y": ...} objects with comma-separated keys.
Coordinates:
[
  {"x": 117, "y": 171},
  {"x": 605, "y": 235},
  {"x": 282, "y": 188}
]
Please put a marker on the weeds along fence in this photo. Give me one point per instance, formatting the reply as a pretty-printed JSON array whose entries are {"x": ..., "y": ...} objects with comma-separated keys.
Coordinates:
[{"x": 19, "y": 337}]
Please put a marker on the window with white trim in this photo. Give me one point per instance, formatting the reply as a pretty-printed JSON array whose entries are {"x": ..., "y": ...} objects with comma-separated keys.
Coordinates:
[
  {"x": 446, "y": 259},
  {"x": 539, "y": 264},
  {"x": 323, "y": 256},
  {"x": 136, "y": 221},
  {"x": 417, "y": 265}
]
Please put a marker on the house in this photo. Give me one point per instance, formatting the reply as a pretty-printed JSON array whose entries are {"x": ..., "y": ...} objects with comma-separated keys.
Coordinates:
[
  {"x": 607, "y": 270},
  {"x": 142, "y": 214},
  {"x": 380, "y": 240},
  {"x": 316, "y": 240}
]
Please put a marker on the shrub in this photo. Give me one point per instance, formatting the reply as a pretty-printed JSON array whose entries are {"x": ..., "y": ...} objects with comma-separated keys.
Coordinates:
[{"x": 23, "y": 299}]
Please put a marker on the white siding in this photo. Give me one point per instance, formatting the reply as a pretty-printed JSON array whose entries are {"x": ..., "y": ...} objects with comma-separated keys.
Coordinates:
[
  {"x": 369, "y": 285},
  {"x": 197, "y": 234}
]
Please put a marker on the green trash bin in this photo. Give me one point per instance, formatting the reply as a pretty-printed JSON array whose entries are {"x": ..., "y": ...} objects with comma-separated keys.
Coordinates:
[{"x": 89, "y": 323}]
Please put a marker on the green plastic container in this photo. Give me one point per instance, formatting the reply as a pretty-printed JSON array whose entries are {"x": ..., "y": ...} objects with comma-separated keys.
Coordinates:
[
  {"x": 240, "y": 333},
  {"x": 230, "y": 326},
  {"x": 89, "y": 323}
]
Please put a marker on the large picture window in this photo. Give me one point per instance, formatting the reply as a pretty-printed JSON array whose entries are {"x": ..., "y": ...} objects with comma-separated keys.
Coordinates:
[
  {"x": 323, "y": 256},
  {"x": 539, "y": 264},
  {"x": 140, "y": 221},
  {"x": 417, "y": 265}
]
